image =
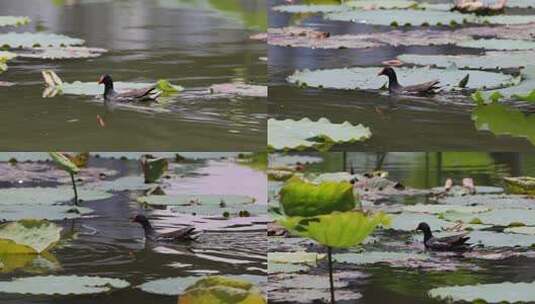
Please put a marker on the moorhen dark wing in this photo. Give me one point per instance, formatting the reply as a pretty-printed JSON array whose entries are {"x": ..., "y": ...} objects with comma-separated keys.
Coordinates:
[
  {"x": 137, "y": 94},
  {"x": 448, "y": 243},
  {"x": 422, "y": 88},
  {"x": 183, "y": 234}
]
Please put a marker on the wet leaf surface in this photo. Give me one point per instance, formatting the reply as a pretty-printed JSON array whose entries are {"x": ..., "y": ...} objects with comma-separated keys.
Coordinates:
[{"x": 61, "y": 285}]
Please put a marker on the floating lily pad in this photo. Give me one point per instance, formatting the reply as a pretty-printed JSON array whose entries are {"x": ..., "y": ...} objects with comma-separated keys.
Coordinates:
[
  {"x": 499, "y": 44},
  {"x": 131, "y": 183},
  {"x": 498, "y": 240},
  {"x": 436, "y": 209},
  {"x": 307, "y": 288},
  {"x": 367, "y": 79},
  {"x": 295, "y": 257},
  {"x": 423, "y": 17},
  {"x": 489, "y": 60},
  {"x": 380, "y": 4},
  {"x": 61, "y": 285},
  {"x": 521, "y": 230},
  {"x": 177, "y": 286},
  {"x": 498, "y": 217},
  {"x": 29, "y": 40},
  {"x": 409, "y": 222},
  {"x": 307, "y": 37},
  {"x": 374, "y": 257},
  {"x": 286, "y": 268},
  {"x": 307, "y": 9},
  {"x": 35, "y": 235},
  {"x": 13, "y": 21},
  {"x": 494, "y": 201},
  {"x": 223, "y": 290},
  {"x": 46, "y": 196},
  {"x": 322, "y": 134},
  {"x": 506, "y": 292},
  {"x": 196, "y": 199},
  {"x": 516, "y": 31},
  {"x": 30, "y": 263},
  {"x": 61, "y": 52},
  {"x": 240, "y": 89},
  {"x": 51, "y": 213}
]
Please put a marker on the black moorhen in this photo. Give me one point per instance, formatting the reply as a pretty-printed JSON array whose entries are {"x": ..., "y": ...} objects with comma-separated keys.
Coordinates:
[
  {"x": 395, "y": 88},
  {"x": 183, "y": 234},
  {"x": 144, "y": 94},
  {"x": 447, "y": 243}
]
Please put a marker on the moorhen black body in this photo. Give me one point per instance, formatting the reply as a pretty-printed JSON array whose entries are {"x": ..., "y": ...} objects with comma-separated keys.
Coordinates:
[
  {"x": 447, "y": 243},
  {"x": 144, "y": 94},
  {"x": 183, "y": 234},
  {"x": 395, "y": 88}
]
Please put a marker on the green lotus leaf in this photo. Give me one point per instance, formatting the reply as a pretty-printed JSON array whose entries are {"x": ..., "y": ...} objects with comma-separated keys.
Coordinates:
[
  {"x": 62, "y": 285},
  {"x": 222, "y": 290},
  {"x": 489, "y": 60},
  {"x": 285, "y": 268},
  {"x": 302, "y": 198},
  {"x": 522, "y": 90},
  {"x": 46, "y": 196},
  {"x": 13, "y": 21},
  {"x": 342, "y": 229},
  {"x": 367, "y": 79},
  {"x": 153, "y": 168},
  {"x": 30, "y": 263},
  {"x": 521, "y": 230},
  {"x": 374, "y": 257},
  {"x": 519, "y": 292},
  {"x": 64, "y": 162},
  {"x": 51, "y": 213},
  {"x": 437, "y": 209},
  {"x": 28, "y": 236},
  {"x": 30, "y": 40},
  {"x": 501, "y": 119},
  {"x": 322, "y": 134}
]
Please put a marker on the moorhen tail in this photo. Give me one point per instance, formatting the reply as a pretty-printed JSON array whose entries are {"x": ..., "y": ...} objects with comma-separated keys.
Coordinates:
[
  {"x": 395, "y": 88},
  {"x": 144, "y": 94},
  {"x": 183, "y": 234},
  {"x": 448, "y": 243}
]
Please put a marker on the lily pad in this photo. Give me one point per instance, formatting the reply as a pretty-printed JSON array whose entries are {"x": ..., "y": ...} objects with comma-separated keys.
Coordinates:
[
  {"x": 380, "y": 4},
  {"x": 500, "y": 240},
  {"x": 499, "y": 44},
  {"x": 310, "y": 38},
  {"x": 374, "y": 257},
  {"x": 222, "y": 290},
  {"x": 35, "y": 235},
  {"x": 409, "y": 222},
  {"x": 30, "y": 40},
  {"x": 51, "y": 213},
  {"x": 61, "y": 285},
  {"x": 367, "y": 79},
  {"x": 498, "y": 217},
  {"x": 322, "y": 134},
  {"x": 309, "y": 9},
  {"x": 61, "y": 52},
  {"x": 285, "y": 267},
  {"x": 46, "y": 196},
  {"x": 521, "y": 230},
  {"x": 302, "y": 257},
  {"x": 487, "y": 293},
  {"x": 192, "y": 200},
  {"x": 177, "y": 286},
  {"x": 489, "y": 60},
  {"x": 13, "y": 21},
  {"x": 494, "y": 201},
  {"x": 437, "y": 209}
]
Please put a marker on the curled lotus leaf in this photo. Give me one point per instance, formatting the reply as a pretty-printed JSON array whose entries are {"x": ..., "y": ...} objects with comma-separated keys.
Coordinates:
[
  {"x": 519, "y": 292},
  {"x": 61, "y": 285},
  {"x": 366, "y": 78},
  {"x": 322, "y": 134},
  {"x": 302, "y": 198},
  {"x": 13, "y": 21},
  {"x": 222, "y": 290},
  {"x": 520, "y": 185}
]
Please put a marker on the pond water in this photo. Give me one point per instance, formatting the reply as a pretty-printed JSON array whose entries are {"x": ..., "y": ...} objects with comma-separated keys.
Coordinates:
[
  {"x": 398, "y": 123},
  {"x": 194, "y": 44},
  {"x": 383, "y": 283},
  {"x": 108, "y": 244}
]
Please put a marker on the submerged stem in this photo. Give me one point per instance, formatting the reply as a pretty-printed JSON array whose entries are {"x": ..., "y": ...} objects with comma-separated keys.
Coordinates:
[
  {"x": 75, "y": 191},
  {"x": 329, "y": 254}
]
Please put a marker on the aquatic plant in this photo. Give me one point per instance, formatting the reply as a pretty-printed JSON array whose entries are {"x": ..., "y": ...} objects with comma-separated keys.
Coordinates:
[
  {"x": 64, "y": 163},
  {"x": 324, "y": 213}
]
